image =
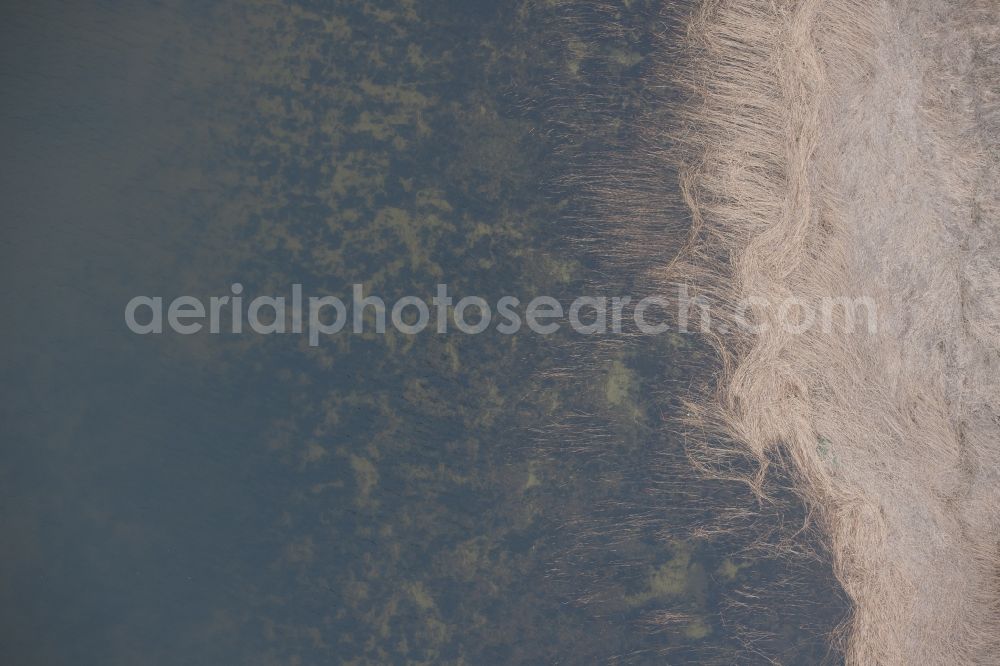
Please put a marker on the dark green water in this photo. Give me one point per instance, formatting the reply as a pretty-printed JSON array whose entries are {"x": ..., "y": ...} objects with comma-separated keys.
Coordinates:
[{"x": 377, "y": 499}]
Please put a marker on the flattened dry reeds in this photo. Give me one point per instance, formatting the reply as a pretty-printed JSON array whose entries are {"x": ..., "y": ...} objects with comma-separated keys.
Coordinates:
[{"x": 850, "y": 147}]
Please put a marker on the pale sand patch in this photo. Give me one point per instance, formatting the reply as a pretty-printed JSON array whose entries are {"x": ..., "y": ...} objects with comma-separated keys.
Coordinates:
[{"x": 850, "y": 147}]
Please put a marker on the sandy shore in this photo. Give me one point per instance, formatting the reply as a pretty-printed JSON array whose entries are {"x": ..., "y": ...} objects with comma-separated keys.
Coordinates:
[{"x": 851, "y": 147}]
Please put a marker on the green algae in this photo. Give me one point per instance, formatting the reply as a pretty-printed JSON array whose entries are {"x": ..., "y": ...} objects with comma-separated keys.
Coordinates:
[{"x": 414, "y": 519}]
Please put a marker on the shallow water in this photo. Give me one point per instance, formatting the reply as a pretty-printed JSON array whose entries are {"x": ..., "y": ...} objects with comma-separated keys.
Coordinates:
[{"x": 378, "y": 499}]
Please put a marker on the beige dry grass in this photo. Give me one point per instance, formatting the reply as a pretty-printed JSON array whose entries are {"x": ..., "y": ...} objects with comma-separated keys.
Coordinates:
[{"x": 850, "y": 147}]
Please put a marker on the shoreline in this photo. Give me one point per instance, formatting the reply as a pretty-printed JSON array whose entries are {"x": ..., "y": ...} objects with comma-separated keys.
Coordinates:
[{"x": 847, "y": 143}]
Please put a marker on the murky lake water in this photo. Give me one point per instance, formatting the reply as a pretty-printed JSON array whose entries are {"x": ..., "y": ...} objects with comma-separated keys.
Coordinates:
[{"x": 377, "y": 499}]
